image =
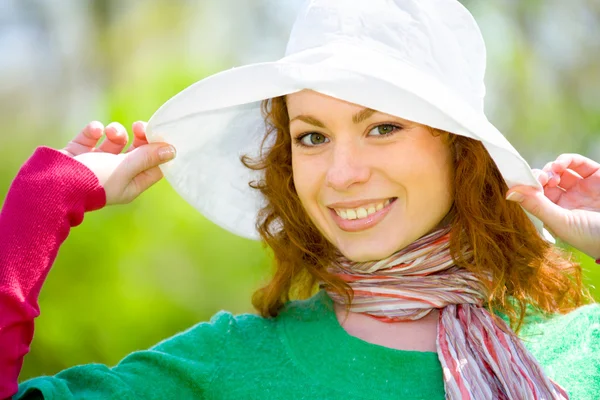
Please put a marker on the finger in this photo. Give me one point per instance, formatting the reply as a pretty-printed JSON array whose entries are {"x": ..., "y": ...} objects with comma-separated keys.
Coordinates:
[
  {"x": 139, "y": 135},
  {"x": 576, "y": 162},
  {"x": 537, "y": 204},
  {"x": 139, "y": 129},
  {"x": 568, "y": 179},
  {"x": 553, "y": 193},
  {"x": 86, "y": 140},
  {"x": 553, "y": 176},
  {"x": 116, "y": 139},
  {"x": 541, "y": 176}
]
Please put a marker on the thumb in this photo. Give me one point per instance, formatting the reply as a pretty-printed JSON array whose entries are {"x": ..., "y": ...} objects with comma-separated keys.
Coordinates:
[
  {"x": 146, "y": 157},
  {"x": 139, "y": 170},
  {"x": 536, "y": 203}
]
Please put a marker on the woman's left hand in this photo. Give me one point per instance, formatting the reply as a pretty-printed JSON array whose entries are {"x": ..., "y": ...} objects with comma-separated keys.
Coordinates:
[{"x": 569, "y": 205}]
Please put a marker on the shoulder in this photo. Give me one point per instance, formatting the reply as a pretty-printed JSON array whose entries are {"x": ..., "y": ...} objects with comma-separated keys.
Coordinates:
[
  {"x": 186, "y": 365},
  {"x": 223, "y": 330},
  {"x": 580, "y": 328},
  {"x": 568, "y": 348},
  {"x": 584, "y": 320},
  {"x": 226, "y": 329}
]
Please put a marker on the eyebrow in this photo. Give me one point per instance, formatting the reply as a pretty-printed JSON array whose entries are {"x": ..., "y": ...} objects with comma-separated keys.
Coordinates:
[
  {"x": 362, "y": 115},
  {"x": 356, "y": 118}
]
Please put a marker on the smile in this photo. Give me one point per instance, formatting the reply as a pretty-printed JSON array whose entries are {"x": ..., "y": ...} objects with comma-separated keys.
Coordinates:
[
  {"x": 361, "y": 218},
  {"x": 361, "y": 212}
]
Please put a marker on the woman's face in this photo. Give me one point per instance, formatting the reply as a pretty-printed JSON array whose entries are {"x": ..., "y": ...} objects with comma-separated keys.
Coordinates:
[{"x": 371, "y": 183}]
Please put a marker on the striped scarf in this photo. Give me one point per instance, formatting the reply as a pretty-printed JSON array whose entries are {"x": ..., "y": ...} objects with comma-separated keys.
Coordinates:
[{"x": 481, "y": 357}]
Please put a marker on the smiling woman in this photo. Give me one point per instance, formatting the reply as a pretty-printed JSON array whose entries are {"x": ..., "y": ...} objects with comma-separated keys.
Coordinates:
[
  {"x": 417, "y": 178},
  {"x": 408, "y": 170}
]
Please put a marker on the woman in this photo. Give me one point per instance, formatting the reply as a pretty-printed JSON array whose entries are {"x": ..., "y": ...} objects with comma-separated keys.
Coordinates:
[{"x": 381, "y": 182}]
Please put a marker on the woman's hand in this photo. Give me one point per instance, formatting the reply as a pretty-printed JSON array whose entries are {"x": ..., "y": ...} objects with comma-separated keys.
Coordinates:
[
  {"x": 124, "y": 176},
  {"x": 569, "y": 205}
]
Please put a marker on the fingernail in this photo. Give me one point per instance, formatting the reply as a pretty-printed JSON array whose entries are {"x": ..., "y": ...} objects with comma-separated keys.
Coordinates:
[
  {"x": 166, "y": 153},
  {"x": 515, "y": 196},
  {"x": 550, "y": 175}
]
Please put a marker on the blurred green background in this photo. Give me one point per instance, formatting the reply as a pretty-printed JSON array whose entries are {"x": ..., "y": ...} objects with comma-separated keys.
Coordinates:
[{"x": 132, "y": 275}]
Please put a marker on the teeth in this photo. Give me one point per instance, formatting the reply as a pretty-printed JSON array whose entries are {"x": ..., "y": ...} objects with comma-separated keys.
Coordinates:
[{"x": 361, "y": 212}]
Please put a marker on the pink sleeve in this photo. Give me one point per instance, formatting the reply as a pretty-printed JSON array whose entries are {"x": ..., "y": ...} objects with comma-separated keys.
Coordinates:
[{"x": 49, "y": 195}]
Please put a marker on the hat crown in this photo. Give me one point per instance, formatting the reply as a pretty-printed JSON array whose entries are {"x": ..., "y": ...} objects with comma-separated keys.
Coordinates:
[{"x": 437, "y": 37}]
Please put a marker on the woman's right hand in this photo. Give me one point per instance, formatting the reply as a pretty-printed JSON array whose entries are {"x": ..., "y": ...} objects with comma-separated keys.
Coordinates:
[{"x": 124, "y": 176}]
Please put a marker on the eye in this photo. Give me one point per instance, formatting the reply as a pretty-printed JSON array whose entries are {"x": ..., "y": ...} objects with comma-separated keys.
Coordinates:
[
  {"x": 311, "y": 139},
  {"x": 384, "y": 130}
]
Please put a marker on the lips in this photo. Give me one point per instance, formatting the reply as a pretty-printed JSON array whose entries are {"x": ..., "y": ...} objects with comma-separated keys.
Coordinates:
[
  {"x": 360, "y": 224},
  {"x": 363, "y": 211}
]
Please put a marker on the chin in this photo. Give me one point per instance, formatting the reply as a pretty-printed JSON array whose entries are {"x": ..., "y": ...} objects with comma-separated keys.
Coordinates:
[{"x": 361, "y": 252}]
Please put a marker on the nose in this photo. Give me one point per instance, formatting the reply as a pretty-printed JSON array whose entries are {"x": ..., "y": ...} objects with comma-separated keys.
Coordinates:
[{"x": 347, "y": 167}]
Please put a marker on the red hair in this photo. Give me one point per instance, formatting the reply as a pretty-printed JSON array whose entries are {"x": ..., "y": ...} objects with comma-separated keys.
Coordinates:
[{"x": 525, "y": 269}]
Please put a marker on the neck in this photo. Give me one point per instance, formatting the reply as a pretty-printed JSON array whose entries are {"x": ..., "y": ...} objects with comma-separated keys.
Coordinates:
[
  {"x": 419, "y": 335},
  {"x": 410, "y": 283}
]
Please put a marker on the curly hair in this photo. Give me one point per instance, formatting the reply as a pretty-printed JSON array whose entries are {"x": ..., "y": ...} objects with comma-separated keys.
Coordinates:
[{"x": 526, "y": 270}]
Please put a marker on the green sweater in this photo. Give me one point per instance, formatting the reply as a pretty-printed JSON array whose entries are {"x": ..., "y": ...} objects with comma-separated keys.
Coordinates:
[{"x": 305, "y": 354}]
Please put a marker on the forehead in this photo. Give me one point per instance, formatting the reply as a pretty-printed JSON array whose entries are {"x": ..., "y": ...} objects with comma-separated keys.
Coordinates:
[
  {"x": 310, "y": 99},
  {"x": 310, "y": 103}
]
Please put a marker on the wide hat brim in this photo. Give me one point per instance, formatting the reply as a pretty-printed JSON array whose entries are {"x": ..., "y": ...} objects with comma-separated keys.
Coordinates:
[{"x": 215, "y": 121}]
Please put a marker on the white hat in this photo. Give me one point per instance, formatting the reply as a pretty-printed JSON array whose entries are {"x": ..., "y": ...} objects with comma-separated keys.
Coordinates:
[{"x": 421, "y": 60}]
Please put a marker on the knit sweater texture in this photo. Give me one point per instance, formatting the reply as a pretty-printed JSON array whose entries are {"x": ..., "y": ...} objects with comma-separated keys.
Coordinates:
[{"x": 303, "y": 353}]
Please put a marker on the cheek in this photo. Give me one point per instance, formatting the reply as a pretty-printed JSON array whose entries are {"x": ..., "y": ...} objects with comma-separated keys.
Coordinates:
[
  {"x": 305, "y": 177},
  {"x": 427, "y": 174},
  {"x": 445, "y": 169},
  {"x": 307, "y": 181},
  {"x": 440, "y": 182}
]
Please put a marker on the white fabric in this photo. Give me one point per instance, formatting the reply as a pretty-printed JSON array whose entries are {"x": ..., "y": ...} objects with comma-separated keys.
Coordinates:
[{"x": 422, "y": 60}]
